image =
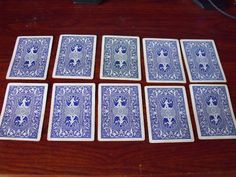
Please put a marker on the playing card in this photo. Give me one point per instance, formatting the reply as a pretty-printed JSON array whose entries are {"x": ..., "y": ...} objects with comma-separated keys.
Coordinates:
[
  {"x": 72, "y": 112},
  {"x": 30, "y": 58},
  {"x": 202, "y": 61},
  {"x": 168, "y": 114},
  {"x": 120, "y": 58},
  {"x": 213, "y": 111},
  {"x": 120, "y": 114},
  {"x": 23, "y": 111},
  {"x": 75, "y": 57},
  {"x": 163, "y": 62}
]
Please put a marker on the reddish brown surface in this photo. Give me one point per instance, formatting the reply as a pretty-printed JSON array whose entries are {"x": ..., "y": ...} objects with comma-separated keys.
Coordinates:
[{"x": 149, "y": 18}]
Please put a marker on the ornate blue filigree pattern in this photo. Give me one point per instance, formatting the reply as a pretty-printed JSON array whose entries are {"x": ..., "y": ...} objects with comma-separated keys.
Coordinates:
[
  {"x": 22, "y": 114},
  {"x": 72, "y": 112},
  {"x": 120, "y": 112},
  {"x": 76, "y": 56},
  {"x": 202, "y": 61},
  {"x": 120, "y": 57},
  {"x": 213, "y": 111},
  {"x": 31, "y": 57},
  {"x": 167, "y": 114},
  {"x": 163, "y": 60}
]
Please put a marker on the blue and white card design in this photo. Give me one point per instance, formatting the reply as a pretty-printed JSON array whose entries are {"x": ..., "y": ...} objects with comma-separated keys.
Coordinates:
[
  {"x": 168, "y": 114},
  {"x": 120, "y": 114},
  {"x": 72, "y": 114},
  {"x": 202, "y": 61},
  {"x": 213, "y": 111},
  {"x": 30, "y": 58},
  {"x": 75, "y": 57},
  {"x": 23, "y": 112},
  {"x": 120, "y": 58},
  {"x": 163, "y": 62}
]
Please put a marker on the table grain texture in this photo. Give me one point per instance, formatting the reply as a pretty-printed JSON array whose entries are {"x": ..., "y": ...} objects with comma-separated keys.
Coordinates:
[{"x": 145, "y": 18}]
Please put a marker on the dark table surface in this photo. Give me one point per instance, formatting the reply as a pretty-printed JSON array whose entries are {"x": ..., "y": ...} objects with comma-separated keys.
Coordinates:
[{"x": 145, "y": 18}]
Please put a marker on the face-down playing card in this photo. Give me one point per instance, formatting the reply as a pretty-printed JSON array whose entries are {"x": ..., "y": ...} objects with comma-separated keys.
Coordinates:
[
  {"x": 75, "y": 57},
  {"x": 168, "y": 114},
  {"x": 213, "y": 111},
  {"x": 163, "y": 61},
  {"x": 120, "y": 58},
  {"x": 202, "y": 61},
  {"x": 23, "y": 112},
  {"x": 120, "y": 115},
  {"x": 72, "y": 112},
  {"x": 30, "y": 58}
]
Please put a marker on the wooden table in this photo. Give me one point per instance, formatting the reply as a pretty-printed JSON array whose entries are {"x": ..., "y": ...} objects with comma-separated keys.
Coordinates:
[{"x": 144, "y": 18}]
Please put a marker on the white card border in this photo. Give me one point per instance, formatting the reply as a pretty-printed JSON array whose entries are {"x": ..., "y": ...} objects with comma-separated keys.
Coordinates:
[
  {"x": 45, "y": 85},
  {"x": 187, "y": 112},
  {"x": 196, "y": 116},
  {"x": 58, "y": 53},
  {"x": 180, "y": 61},
  {"x": 14, "y": 54},
  {"x": 138, "y": 58},
  {"x": 187, "y": 66},
  {"x": 49, "y": 138},
  {"x": 141, "y": 113}
]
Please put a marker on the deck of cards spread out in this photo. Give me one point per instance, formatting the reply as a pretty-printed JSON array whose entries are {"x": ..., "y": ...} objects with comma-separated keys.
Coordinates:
[{"x": 119, "y": 105}]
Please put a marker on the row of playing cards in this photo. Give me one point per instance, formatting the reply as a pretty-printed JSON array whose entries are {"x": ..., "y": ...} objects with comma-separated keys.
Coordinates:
[
  {"x": 120, "y": 59},
  {"x": 120, "y": 114}
]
